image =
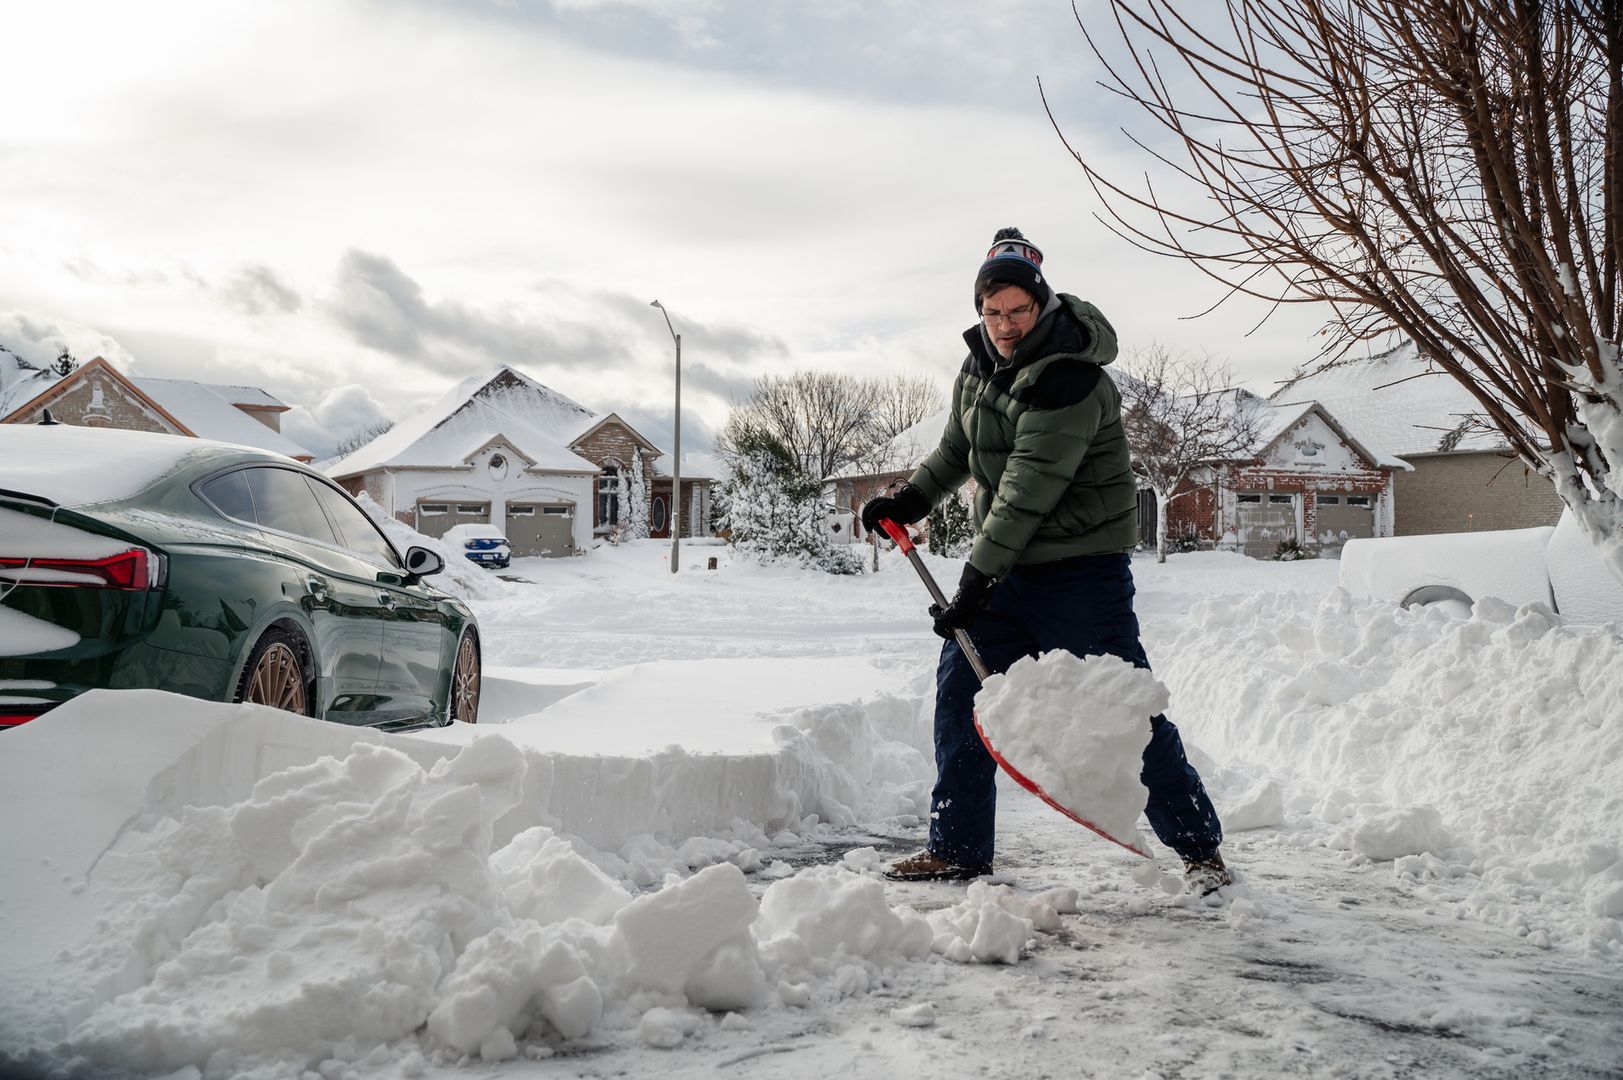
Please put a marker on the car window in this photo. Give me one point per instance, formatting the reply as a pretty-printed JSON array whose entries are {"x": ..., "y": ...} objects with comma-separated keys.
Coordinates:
[
  {"x": 359, "y": 534},
  {"x": 229, "y": 494},
  {"x": 282, "y": 500}
]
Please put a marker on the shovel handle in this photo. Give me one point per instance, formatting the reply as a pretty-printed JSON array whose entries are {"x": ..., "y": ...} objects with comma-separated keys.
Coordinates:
[{"x": 905, "y": 542}]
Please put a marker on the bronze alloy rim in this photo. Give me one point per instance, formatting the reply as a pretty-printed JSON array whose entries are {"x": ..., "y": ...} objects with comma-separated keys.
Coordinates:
[
  {"x": 465, "y": 682},
  {"x": 277, "y": 680}
]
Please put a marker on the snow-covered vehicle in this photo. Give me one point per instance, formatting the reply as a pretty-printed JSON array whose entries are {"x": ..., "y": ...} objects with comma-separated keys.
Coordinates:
[
  {"x": 1551, "y": 565},
  {"x": 483, "y": 544},
  {"x": 131, "y": 560}
]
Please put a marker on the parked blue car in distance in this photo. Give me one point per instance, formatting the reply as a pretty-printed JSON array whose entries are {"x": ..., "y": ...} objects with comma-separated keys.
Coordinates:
[{"x": 483, "y": 544}]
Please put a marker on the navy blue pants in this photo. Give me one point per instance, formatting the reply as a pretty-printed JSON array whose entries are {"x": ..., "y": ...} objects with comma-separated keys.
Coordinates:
[{"x": 1084, "y": 606}]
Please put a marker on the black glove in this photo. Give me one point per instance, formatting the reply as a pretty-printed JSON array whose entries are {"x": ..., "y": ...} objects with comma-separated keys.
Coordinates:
[
  {"x": 974, "y": 590},
  {"x": 904, "y": 508}
]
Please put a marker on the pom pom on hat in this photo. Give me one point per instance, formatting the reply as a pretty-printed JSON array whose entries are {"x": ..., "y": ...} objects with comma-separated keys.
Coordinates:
[{"x": 1012, "y": 260}]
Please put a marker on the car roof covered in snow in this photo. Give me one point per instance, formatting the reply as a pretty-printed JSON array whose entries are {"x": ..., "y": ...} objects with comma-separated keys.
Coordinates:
[{"x": 78, "y": 466}]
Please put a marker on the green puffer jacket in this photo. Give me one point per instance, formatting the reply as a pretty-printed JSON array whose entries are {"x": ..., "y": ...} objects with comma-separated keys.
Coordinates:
[{"x": 1041, "y": 434}]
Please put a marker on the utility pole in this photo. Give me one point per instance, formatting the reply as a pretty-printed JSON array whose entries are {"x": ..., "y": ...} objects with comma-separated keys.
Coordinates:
[{"x": 676, "y": 463}]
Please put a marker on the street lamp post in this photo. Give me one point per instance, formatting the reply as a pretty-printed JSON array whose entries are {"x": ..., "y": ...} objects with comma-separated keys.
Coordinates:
[{"x": 676, "y": 463}]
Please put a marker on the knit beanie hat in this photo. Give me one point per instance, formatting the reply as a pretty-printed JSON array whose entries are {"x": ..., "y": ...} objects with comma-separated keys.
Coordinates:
[{"x": 1013, "y": 260}]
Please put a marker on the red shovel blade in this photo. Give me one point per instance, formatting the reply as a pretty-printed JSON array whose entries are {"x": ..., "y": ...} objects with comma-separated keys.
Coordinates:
[
  {"x": 899, "y": 534},
  {"x": 1032, "y": 786}
]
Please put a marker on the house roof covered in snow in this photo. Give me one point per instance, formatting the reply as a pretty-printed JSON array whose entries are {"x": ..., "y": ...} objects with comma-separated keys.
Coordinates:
[
  {"x": 212, "y": 411},
  {"x": 533, "y": 419},
  {"x": 1395, "y": 403},
  {"x": 20, "y": 380},
  {"x": 904, "y": 452}
]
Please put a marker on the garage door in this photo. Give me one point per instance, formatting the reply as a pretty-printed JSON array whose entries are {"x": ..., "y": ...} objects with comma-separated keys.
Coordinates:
[
  {"x": 436, "y": 518},
  {"x": 1342, "y": 518},
  {"x": 1265, "y": 520},
  {"x": 545, "y": 529}
]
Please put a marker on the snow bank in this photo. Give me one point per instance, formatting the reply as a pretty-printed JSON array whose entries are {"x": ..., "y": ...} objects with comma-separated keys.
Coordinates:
[
  {"x": 1077, "y": 728},
  {"x": 364, "y": 906},
  {"x": 1483, "y": 755}
]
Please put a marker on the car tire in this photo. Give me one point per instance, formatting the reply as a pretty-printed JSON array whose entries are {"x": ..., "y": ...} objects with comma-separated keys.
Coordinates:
[
  {"x": 462, "y": 702},
  {"x": 277, "y": 673}
]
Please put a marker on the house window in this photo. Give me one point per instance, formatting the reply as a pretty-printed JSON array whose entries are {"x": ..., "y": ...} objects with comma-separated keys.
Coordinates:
[
  {"x": 557, "y": 511},
  {"x": 1357, "y": 500},
  {"x": 608, "y": 496},
  {"x": 470, "y": 508},
  {"x": 521, "y": 511},
  {"x": 1329, "y": 500},
  {"x": 1250, "y": 498},
  {"x": 657, "y": 514},
  {"x": 434, "y": 508},
  {"x": 1280, "y": 500}
]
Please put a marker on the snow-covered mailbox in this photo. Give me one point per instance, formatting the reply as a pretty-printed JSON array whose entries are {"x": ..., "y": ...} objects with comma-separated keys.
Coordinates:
[{"x": 1553, "y": 565}]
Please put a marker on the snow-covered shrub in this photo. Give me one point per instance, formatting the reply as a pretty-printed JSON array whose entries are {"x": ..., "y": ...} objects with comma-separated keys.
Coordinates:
[
  {"x": 635, "y": 526},
  {"x": 951, "y": 529},
  {"x": 1291, "y": 551},
  {"x": 773, "y": 509}
]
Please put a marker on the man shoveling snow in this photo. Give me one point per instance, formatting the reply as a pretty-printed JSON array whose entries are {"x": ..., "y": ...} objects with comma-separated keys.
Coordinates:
[{"x": 1036, "y": 421}]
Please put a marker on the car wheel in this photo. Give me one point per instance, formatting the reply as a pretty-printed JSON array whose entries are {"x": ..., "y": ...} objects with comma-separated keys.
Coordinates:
[
  {"x": 277, "y": 673},
  {"x": 465, "y": 681}
]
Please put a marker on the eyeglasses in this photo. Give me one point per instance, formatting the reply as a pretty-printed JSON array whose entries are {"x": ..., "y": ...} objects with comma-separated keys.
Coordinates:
[{"x": 1013, "y": 315}]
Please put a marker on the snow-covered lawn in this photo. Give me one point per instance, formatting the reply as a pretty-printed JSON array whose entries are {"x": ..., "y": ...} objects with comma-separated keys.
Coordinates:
[{"x": 658, "y": 853}]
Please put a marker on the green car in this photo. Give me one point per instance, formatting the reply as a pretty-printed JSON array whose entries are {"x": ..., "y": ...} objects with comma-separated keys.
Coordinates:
[{"x": 136, "y": 560}]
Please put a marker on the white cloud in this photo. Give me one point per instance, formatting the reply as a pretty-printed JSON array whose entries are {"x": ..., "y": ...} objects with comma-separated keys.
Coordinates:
[{"x": 391, "y": 196}]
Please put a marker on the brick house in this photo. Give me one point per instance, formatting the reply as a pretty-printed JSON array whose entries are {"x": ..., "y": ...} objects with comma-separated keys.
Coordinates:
[
  {"x": 1461, "y": 478},
  {"x": 97, "y": 394},
  {"x": 1311, "y": 481},
  {"x": 502, "y": 449}
]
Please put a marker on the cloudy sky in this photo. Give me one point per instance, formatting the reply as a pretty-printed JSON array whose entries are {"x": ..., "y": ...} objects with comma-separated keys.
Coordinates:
[{"x": 355, "y": 203}]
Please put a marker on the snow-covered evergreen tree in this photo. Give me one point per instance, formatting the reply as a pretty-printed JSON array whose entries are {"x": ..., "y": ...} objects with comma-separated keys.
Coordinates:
[
  {"x": 951, "y": 530},
  {"x": 774, "y": 510},
  {"x": 636, "y": 499}
]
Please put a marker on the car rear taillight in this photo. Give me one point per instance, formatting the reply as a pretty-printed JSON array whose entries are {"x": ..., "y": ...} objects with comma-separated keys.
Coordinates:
[
  {"x": 13, "y": 716},
  {"x": 133, "y": 570}
]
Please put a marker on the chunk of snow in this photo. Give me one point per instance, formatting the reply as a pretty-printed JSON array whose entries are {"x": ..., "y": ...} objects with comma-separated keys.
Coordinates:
[{"x": 1077, "y": 727}]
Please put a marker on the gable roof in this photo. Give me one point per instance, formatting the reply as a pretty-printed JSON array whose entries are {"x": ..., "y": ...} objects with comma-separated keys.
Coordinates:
[
  {"x": 98, "y": 366},
  {"x": 201, "y": 410},
  {"x": 1277, "y": 421},
  {"x": 601, "y": 419},
  {"x": 216, "y": 412},
  {"x": 534, "y": 420},
  {"x": 1397, "y": 403},
  {"x": 19, "y": 380}
]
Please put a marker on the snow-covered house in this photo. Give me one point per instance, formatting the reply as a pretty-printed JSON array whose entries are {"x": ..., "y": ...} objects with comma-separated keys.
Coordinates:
[
  {"x": 97, "y": 394},
  {"x": 503, "y": 449},
  {"x": 1462, "y": 478},
  {"x": 1309, "y": 479}
]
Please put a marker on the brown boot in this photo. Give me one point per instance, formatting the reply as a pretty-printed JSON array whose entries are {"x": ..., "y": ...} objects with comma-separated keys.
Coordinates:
[
  {"x": 1205, "y": 876},
  {"x": 926, "y": 867}
]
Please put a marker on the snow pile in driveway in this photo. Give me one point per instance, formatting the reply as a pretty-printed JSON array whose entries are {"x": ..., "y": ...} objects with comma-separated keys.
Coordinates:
[
  {"x": 1077, "y": 727},
  {"x": 357, "y": 904},
  {"x": 1483, "y": 756}
]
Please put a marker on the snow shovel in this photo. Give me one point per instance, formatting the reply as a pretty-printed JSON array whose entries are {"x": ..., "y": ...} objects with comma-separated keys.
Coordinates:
[{"x": 905, "y": 542}]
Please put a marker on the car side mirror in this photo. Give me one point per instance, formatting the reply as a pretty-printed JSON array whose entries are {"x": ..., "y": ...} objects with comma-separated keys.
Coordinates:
[{"x": 421, "y": 562}]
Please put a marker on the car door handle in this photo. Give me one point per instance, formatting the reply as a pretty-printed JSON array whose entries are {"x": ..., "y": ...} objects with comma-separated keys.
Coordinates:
[
  {"x": 317, "y": 589},
  {"x": 388, "y": 601}
]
